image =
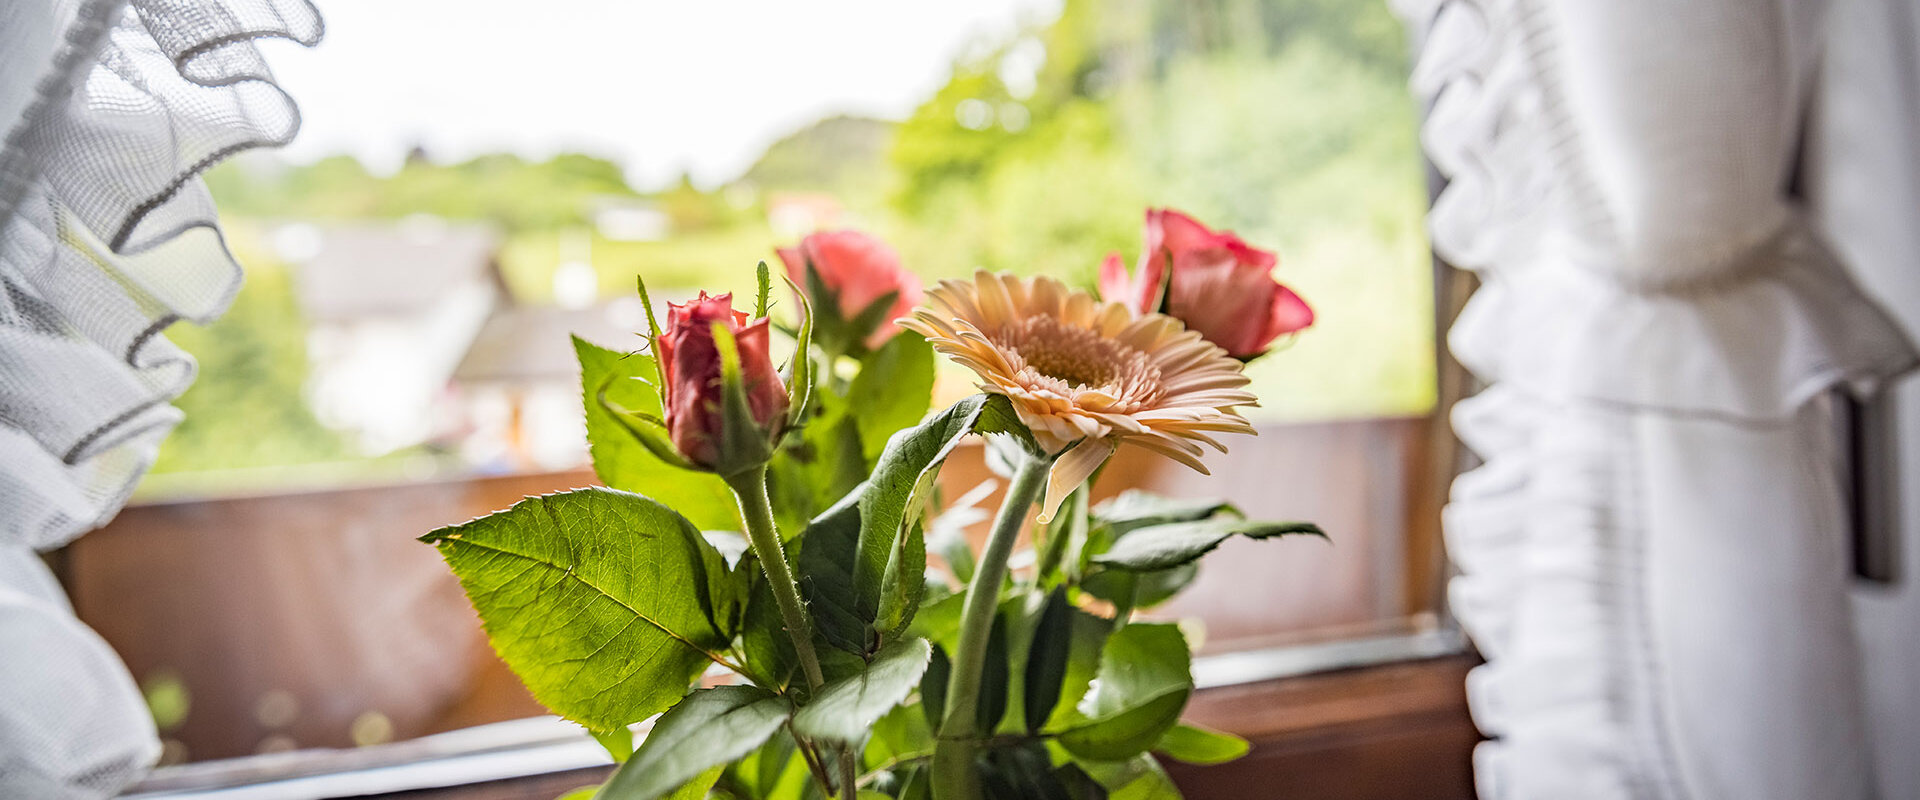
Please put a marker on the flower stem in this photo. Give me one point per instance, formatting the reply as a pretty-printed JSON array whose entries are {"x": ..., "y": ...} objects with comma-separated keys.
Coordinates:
[
  {"x": 750, "y": 489},
  {"x": 953, "y": 775}
]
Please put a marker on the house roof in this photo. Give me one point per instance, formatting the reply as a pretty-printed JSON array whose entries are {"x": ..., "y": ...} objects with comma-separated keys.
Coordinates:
[
  {"x": 532, "y": 343},
  {"x": 368, "y": 270}
]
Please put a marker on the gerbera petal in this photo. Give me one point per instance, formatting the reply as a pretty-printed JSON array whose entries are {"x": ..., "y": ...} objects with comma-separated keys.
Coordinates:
[{"x": 1072, "y": 469}]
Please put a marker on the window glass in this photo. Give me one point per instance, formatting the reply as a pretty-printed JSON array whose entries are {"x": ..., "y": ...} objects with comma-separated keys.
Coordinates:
[{"x": 475, "y": 183}]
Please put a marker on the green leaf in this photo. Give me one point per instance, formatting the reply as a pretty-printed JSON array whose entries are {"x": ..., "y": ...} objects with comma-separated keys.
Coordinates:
[
  {"x": 1149, "y": 588},
  {"x": 994, "y": 678},
  {"x": 939, "y": 620},
  {"x": 892, "y": 391},
  {"x": 1136, "y": 778},
  {"x": 1047, "y": 659},
  {"x": 1021, "y": 771},
  {"x": 933, "y": 687},
  {"x": 902, "y": 735},
  {"x": 871, "y": 571},
  {"x": 919, "y": 786},
  {"x": 1144, "y": 681},
  {"x": 764, "y": 643},
  {"x": 621, "y": 461},
  {"x": 1135, "y": 508},
  {"x": 696, "y": 789},
  {"x": 582, "y": 793},
  {"x": 1088, "y": 638},
  {"x": 826, "y": 575},
  {"x": 1196, "y": 745},
  {"x": 773, "y": 771},
  {"x": 1170, "y": 545},
  {"x": 606, "y": 604},
  {"x": 618, "y": 742},
  {"x": 846, "y": 709},
  {"x": 705, "y": 731}
]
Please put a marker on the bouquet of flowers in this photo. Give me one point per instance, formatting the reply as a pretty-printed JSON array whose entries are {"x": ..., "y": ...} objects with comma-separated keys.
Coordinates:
[{"x": 755, "y": 570}]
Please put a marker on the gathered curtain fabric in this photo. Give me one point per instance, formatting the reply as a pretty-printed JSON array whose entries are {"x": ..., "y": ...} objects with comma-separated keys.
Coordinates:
[
  {"x": 1653, "y": 556},
  {"x": 110, "y": 109}
]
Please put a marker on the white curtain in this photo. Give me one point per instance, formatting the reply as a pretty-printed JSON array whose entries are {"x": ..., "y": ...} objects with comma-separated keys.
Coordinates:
[
  {"x": 109, "y": 110},
  {"x": 1654, "y": 555}
]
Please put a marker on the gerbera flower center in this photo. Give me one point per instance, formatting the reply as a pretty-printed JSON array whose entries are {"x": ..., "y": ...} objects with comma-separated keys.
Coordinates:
[{"x": 1048, "y": 353}]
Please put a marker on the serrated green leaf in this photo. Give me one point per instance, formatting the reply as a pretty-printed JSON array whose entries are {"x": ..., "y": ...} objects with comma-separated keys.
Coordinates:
[
  {"x": 872, "y": 571},
  {"x": 1047, "y": 656},
  {"x": 1138, "y": 508},
  {"x": 846, "y": 709},
  {"x": 1196, "y": 745},
  {"x": 621, "y": 461},
  {"x": 699, "y": 735},
  {"x": 892, "y": 391},
  {"x": 617, "y": 742},
  {"x": 1144, "y": 681},
  {"x": 605, "y": 603},
  {"x": 1159, "y": 547},
  {"x": 826, "y": 575}
]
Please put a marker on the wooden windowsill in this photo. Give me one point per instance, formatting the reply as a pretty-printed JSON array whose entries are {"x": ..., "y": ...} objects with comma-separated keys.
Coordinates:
[{"x": 1392, "y": 730}]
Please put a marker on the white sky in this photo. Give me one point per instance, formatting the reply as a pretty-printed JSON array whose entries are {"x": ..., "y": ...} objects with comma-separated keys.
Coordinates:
[{"x": 659, "y": 86}]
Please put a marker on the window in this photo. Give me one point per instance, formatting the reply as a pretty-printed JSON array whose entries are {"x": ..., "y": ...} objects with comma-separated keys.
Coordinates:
[{"x": 398, "y": 358}]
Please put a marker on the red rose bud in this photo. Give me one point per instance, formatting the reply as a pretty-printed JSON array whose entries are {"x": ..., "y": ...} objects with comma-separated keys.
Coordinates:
[
  {"x": 1212, "y": 281},
  {"x": 846, "y": 275},
  {"x": 694, "y": 394}
]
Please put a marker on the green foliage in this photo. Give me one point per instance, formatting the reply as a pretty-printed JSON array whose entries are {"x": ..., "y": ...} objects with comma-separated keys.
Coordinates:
[
  {"x": 694, "y": 740},
  {"x": 625, "y": 380},
  {"x": 246, "y": 410},
  {"x": 1143, "y": 682},
  {"x": 1196, "y": 745},
  {"x": 1162, "y": 547},
  {"x": 606, "y": 604},
  {"x": 892, "y": 391},
  {"x": 1046, "y": 671},
  {"x": 844, "y": 710},
  {"x": 501, "y": 188},
  {"x": 864, "y": 560}
]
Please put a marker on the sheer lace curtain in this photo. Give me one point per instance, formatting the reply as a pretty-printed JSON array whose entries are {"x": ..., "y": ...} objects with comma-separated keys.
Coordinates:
[
  {"x": 109, "y": 109},
  {"x": 1654, "y": 556}
]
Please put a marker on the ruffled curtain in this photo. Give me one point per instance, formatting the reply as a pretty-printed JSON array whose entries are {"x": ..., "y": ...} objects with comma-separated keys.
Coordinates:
[
  {"x": 1653, "y": 556},
  {"x": 110, "y": 110}
]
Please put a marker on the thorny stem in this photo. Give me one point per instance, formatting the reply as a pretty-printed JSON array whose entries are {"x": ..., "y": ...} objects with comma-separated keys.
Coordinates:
[
  {"x": 953, "y": 753},
  {"x": 756, "y": 513},
  {"x": 750, "y": 489}
]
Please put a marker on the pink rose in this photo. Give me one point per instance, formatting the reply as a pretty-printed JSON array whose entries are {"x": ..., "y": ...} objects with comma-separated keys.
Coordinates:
[
  {"x": 690, "y": 364},
  {"x": 1215, "y": 283},
  {"x": 857, "y": 271}
]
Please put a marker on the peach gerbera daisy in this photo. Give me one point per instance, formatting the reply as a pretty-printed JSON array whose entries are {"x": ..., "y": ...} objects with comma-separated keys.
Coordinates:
[{"x": 1084, "y": 375}]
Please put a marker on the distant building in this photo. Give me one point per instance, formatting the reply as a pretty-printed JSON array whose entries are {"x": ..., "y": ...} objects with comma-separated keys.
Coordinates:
[
  {"x": 623, "y": 219},
  {"x": 796, "y": 214},
  {"x": 392, "y": 308},
  {"x": 519, "y": 384}
]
